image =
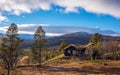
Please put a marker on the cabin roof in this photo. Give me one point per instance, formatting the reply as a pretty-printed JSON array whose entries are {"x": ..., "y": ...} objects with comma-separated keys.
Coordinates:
[
  {"x": 78, "y": 47},
  {"x": 71, "y": 45},
  {"x": 75, "y": 46}
]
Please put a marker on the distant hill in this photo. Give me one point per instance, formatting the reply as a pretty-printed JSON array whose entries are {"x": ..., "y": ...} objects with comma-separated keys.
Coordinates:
[
  {"x": 30, "y": 36},
  {"x": 72, "y": 38},
  {"x": 1, "y": 34},
  {"x": 26, "y": 36}
]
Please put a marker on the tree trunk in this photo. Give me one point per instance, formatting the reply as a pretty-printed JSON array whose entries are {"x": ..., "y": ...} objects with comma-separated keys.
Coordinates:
[
  {"x": 8, "y": 73},
  {"x": 91, "y": 57},
  {"x": 40, "y": 57},
  {"x": 8, "y": 70}
]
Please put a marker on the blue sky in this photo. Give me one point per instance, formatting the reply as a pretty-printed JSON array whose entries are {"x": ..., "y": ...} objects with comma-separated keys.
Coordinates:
[{"x": 61, "y": 16}]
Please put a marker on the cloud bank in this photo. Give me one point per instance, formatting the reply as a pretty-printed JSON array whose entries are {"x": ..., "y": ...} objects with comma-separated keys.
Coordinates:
[
  {"x": 31, "y": 28},
  {"x": 59, "y": 30},
  {"x": 17, "y": 7}
]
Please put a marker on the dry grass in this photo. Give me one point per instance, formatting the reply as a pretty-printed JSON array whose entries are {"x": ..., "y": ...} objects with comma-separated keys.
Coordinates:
[{"x": 72, "y": 68}]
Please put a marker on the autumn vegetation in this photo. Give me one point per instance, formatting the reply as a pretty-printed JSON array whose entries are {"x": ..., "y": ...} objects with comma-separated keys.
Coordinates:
[{"x": 14, "y": 60}]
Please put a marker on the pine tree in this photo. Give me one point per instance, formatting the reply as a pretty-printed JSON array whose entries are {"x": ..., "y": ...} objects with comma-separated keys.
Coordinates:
[
  {"x": 39, "y": 42},
  {"x": 96, "y": 40},
  {"x": 10, "y": 48}
]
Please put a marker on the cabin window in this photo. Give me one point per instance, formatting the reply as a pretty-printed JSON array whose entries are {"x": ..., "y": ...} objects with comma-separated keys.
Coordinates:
[
  {"x": 69, "y": 51},
  {"x": 74, "y": 52}
]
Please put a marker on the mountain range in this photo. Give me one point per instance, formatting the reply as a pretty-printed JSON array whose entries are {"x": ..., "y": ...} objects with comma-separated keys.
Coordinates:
[{"x": 72, "y": 38}]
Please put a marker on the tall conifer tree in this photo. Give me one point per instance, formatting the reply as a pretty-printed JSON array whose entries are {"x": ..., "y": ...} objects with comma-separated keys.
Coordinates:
[
  {"x": 10, "y": 48},
  {"x": 39, "y": 42}
]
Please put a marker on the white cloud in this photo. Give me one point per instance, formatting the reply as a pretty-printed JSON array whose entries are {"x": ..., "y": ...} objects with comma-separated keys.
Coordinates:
[
  {"x": 4, "y": 29},
  {"x": 23, "y": 6},
  {"x": 47, "y": 34},
  {"x": 26, "y": 32},
  {"x": 3, "y": 18},
  {"x": 31, "y": 25},
  {"x": 23, "y": 28},
  {"x": 54, "y": 34},
  {"x": 17, "y": 7},
  {"x": 71, "y": 9},
  {"x": 110, "y": 7}
]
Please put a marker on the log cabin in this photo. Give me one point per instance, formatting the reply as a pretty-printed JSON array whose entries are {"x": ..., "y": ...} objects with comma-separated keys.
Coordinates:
[{"x": 73, "y": 50}]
